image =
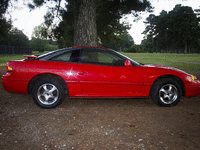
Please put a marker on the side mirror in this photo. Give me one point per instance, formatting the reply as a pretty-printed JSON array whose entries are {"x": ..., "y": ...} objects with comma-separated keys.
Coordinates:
[{"x": 128, "y": 64}]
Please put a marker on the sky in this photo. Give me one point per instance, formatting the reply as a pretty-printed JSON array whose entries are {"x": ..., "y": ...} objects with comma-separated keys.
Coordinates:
[{"x": 25, "y": 20}]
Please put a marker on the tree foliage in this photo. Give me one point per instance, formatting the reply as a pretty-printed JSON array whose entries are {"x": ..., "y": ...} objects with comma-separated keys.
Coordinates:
[
  {"x": 197, "y": 12},
  {"x": 177, "y": 30},
  {"x": 5, "y": 25},
  {"x": 17, "y": 38},
  {"x": 3, "y": 6},
  {"x": 14, "y": 37},
  {"x": 40, "y": 40},
  {"x": 42, "y": 45},
  {"x": 40, "y": 32},
  {"x": 38, "y": 44},
  {"x": 8, "y": 35}
]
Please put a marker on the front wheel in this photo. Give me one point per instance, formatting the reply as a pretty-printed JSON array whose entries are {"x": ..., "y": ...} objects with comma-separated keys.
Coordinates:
[
  {"x": 166, "y": 92},
  {"x": 48, "y": 93}
]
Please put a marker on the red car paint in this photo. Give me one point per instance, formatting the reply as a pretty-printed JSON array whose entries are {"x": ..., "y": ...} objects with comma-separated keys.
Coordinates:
[{"x": 87, "y": 80}]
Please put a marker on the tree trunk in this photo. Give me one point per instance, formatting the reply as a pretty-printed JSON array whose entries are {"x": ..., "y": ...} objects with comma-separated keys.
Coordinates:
[
  {"x": 189, "y": 49},
  {"x": 185, "y": 48},
  {"x": 85, "y": 30}
]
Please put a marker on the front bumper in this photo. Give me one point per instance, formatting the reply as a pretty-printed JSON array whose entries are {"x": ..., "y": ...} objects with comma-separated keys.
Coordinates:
[{"x": 192, "y": 90}]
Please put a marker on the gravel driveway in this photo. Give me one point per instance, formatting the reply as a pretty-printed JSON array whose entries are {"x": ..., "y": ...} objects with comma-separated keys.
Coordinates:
[{"x": 98, "y": 124}]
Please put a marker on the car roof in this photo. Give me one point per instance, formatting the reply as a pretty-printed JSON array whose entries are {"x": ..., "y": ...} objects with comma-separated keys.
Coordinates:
[{"x": 90, "y": 47}]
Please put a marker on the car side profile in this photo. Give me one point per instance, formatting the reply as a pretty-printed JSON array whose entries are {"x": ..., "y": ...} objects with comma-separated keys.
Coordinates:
[{"x": 97, "y": 73}]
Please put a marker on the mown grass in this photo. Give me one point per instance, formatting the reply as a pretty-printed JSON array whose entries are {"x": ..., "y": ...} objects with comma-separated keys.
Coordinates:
[
  {"x": 5, "y": 57},
  {"x": 187, "y": 62}
]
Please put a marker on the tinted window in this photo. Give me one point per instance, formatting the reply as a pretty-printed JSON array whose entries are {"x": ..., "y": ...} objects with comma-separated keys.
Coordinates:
[
  {"x": 70, "y": 56},
  {"x": 101, "y": 57}
]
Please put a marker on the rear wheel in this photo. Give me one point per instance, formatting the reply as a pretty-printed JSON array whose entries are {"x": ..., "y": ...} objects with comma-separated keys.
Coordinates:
[
  {"x": 166, "y": 92},
  {"x": 48, "y": 93}
]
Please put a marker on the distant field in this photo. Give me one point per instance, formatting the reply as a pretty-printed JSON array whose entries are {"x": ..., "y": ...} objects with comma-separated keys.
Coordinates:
[{"x": 187, "y": 62}]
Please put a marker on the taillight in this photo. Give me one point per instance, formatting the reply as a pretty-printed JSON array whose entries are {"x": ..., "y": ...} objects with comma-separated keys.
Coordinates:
[{"x": 9, "y": 68}]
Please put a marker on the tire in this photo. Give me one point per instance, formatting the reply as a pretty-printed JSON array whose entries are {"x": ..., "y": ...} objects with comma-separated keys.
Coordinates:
[
  {"x": 48, "y": 93},
  {"x": 166, "y": 92}
]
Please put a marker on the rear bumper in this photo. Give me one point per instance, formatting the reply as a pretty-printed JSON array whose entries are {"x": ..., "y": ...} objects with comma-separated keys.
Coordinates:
[
  {"x": 15, "y": 85},
  {"x": 192, "y": 90}
]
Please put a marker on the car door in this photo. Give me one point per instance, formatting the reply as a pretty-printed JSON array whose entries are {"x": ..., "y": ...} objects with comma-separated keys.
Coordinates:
[{"x": 103, "y": 72}]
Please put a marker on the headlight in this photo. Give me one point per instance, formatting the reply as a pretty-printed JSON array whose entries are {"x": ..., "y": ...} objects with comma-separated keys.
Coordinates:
[
  {"x": 9, "y": 68},
  {"x": 194, "y": 78},
  {"x": 191, "y": 78}
]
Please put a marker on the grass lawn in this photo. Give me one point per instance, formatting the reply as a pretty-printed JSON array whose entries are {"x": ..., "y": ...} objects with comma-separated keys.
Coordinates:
[
  {"x": 187, "y": 62},
  {"x": 5, "y": 57}
]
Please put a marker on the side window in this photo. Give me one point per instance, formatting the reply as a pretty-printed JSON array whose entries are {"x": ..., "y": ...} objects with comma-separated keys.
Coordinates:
[
  {"x": 101, "y": 57},
  {"x": 89, "y": 56},
  {"x": 72, "y": 56}
]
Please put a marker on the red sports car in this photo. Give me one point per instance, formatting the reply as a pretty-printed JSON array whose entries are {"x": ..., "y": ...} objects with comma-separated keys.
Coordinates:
[{"x": 95, "y": 72}]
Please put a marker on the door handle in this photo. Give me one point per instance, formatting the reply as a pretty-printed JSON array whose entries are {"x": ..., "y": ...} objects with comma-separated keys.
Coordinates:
[{"x": 82, "y": 73}]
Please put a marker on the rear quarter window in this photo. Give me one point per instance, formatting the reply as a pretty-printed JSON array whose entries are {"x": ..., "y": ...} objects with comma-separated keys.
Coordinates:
[{"x": 70, "y": 56}]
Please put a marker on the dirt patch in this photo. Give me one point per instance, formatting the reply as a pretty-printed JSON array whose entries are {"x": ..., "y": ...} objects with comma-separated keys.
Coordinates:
[{"x": 98, "y": 124}]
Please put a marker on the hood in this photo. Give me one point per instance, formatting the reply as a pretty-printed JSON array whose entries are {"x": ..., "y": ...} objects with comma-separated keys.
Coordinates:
[
  {"x": 158, "y": 66},
  {"x": 166, "y": 67}
]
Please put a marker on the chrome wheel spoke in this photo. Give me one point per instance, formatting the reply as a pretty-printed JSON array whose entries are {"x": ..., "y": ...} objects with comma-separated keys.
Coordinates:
[
  {"x": 54, "y": 97},
  {"x": 53, "y": 89},
  {"x": 170, "y": 89},
  {"x": 166, "y": 96},
  {"x": 45, "y": 88},
  {"x": 163, "y": 90},
  {"x": 46, "y": 97}
]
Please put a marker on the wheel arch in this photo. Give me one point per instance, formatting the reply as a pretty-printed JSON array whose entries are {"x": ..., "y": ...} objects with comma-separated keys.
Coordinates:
[
  {"x": 176, "y": 78},
  {"x": 38, "y": 77}
]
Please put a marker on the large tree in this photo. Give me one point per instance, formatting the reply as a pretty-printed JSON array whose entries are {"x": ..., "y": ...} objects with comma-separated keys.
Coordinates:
[
  {"x": 149, "y": 32},
  {"x": 177, "y": 29},
  {"x": 183, "y": 26},
  {"x": 85, "y": 28},
  {"x": 91, "y": 19}
]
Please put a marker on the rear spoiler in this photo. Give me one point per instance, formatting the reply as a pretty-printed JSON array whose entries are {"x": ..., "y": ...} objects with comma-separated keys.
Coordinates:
[{"x": 31, "y": 56}]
